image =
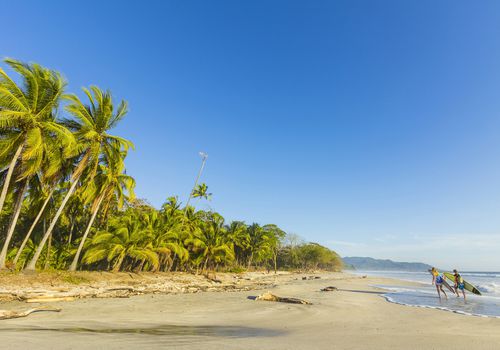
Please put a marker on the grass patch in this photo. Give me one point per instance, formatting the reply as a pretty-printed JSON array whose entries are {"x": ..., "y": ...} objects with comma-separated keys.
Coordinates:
[{"x": 72, "y": 279}]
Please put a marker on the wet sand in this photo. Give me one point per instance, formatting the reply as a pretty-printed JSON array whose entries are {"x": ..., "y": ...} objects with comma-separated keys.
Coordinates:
[{"x": 354, "y": 317}]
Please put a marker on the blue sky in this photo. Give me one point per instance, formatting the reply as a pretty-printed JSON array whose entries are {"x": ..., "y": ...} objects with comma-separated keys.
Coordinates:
[{"x": 369, "y": 126}]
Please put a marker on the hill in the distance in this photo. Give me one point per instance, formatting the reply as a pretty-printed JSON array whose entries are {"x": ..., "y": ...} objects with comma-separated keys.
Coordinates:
[{"x": 365, "y": 263}]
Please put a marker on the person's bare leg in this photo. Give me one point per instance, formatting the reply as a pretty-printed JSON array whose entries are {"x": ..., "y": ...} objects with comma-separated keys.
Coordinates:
[
  {"x": 442, "y": 290},
  {"x": 439, "y": 293}
]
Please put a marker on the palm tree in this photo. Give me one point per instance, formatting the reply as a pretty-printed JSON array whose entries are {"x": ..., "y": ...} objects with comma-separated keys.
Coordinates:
[
  {"x": 91, "y": 125},
  {"x": 54, "y": 169},
  {"x": 38, "y": 192},
  {"x": 110, "y": 184},
  {"x": 259, "y": 243},
  {"x": 13, "y": 221},
  {"x": 27, "y": 119},
  {"x": 238, "y": 234},
  {"x": 201, "y": 191},
  {"x": 169, "y": 235},
  {"x": 211, "y": 242},
  {"x": 127, "y": 237}
]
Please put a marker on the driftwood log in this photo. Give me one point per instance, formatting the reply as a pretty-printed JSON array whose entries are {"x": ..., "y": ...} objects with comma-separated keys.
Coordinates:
[
  {"x": 6, "y": 314},
  {"x": 329, "y": 289},
  {"x": 48, "y": 299},
  {"x": 271, "y": 297}
]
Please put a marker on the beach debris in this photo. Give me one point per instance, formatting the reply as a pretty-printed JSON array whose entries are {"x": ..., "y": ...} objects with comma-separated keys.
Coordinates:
[
  {"x": 128, "y": 289},
  {"x": 329, "y": 289},
  {"x": 213, "y": 279},
  {"x": 311, "y": 278},
  {"x": 6, "y": 314},
  {"x": 271, "y": 297},
  {"x": 48, "y": 299}
]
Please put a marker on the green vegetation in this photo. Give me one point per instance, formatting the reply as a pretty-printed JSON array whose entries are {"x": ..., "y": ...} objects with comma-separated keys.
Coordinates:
[{"x": 66, "y": 201}]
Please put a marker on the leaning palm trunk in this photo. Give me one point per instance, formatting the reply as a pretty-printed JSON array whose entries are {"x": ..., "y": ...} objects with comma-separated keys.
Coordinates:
[
  {"x": 12, "y": 226},
  {"x": 32, "y": 264},
  {"x": 71, "y": 232},
  {"x": 82, "y": 242},
  {"x": 33, "y": 225},
  {"x": 47, "y": 257},
  {"x": 118, "y": 264},
  {"x": 9, "y": 176}
]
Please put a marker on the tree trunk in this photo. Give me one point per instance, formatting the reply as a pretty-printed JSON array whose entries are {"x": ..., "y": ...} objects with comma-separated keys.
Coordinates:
[
  {"x": 171, "y": 265},
  {"x": 32, "y": 264},
  {"x": 82, "y": 242},
  {"x": 119, "y": 263},
  {"x": 250, "y": 261},
  {"x": 141, "y": 266},
  {"x": 33, "y": 225},
  {"x": 13, "y": 222},
  {"x": 275, "y": 258},
  {"x": 9, "y": 176},
  {"x": 49, "y": 247},
  {"x": 205, "y": 265},
  {"x": 70, "y": 237}
]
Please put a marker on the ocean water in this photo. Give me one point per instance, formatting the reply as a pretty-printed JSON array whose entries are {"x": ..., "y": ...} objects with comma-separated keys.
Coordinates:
[{"x": 425, "y": 295}]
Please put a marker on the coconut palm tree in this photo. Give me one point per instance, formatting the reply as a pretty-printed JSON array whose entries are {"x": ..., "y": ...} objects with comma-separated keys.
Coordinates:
[
  {"x": 127, "y": 237},
  {"x": 36, "y": 195},
  {"x": 237, "y": 233},
  {"x": 111, "y": 184},
  {"x": 259, "y": 243},
  {"x": 211, "y": 242},
  {"x": 27, "y": 115},
  {"x": 90, "y": 126},
  {"x": 13, "y": 221},
  {"x": 201, "y": 191},
  {"x": 170, "y": 234},
  {"x": 43, "y": 184}
]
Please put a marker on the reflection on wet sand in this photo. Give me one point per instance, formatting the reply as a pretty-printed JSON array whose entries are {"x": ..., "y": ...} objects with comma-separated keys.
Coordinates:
[{"x": 161, "y": 330}]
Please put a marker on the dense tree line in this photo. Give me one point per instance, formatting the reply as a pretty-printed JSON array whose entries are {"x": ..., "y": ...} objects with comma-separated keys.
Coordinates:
[{"x": 66, "y": 201}]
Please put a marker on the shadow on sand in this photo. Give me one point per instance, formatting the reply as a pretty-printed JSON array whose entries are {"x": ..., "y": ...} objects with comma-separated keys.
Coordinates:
[{"x": 162, "y": 330}]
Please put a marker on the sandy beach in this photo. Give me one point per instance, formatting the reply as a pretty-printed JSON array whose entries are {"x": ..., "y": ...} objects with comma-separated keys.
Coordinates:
[{"x": 354, "y": 317}]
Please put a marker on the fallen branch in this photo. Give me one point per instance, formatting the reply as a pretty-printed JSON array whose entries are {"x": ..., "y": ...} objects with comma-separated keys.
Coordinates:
[
  {"x": 329, "y": 289},
  {"x": 271, "y": 297},
  {"x": 42, "y": 299},
  {"x": 6, "y": 314}
]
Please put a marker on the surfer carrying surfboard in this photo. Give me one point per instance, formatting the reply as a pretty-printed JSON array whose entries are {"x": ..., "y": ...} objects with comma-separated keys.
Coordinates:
[
  {"x": 459, "y": 284},
  {"x": 438, "y": 279}
]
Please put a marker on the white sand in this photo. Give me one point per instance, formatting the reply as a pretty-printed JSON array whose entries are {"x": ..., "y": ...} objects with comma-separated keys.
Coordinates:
[{"x": 356, "y": 317}]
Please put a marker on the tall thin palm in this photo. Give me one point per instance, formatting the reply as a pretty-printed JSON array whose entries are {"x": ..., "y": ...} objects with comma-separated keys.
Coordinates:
[
  {"x": 110, "y": 185},
  {"x": 55, "y": 168},
  {"x": 91, "y": 125}
]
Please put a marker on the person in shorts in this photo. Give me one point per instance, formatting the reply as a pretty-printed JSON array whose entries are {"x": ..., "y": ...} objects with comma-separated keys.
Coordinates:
[
  {"x": 438, "y": 280},
  {"x": 459, "y": 284}
]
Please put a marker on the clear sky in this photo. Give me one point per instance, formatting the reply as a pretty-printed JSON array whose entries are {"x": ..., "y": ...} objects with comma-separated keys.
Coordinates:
[{"x": 372, "y": 127}]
